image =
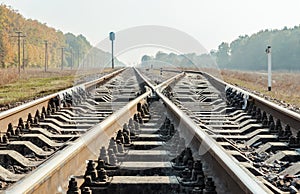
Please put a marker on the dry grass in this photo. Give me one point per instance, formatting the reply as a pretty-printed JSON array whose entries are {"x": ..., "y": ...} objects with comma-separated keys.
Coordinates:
[
  {"x": 34, "y": 83},
  {"x": 8, "y": 76},
  {"x": 11, "y": 75},
  {"x": 285, "y": 86}
]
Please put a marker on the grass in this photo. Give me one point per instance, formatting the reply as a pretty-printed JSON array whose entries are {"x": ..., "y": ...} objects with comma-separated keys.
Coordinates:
[
  {"x": 285, "y": 86},
  {"x": 34, "y": 83},
  {"x": 32, "y": 88}
]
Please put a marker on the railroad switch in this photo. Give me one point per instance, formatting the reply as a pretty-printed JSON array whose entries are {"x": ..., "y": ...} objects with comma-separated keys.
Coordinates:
[{"x": 146, "y": 163}]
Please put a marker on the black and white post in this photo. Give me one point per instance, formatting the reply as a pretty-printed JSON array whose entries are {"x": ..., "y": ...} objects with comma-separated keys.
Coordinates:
[
  {"x": 268, "y": 51},
  {"x": 112, "y": 38}
]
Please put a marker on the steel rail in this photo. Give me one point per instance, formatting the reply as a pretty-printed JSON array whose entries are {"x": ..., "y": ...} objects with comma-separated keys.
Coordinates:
[
  {"x": 247, "y": 182},
  {"x": 49, "y": 176},
  {"x": 285, "y": 115},
  {"x": 22, "y": 111},
  {"x": 65, "y": 163},
  {"x": 162, "y": 85}
]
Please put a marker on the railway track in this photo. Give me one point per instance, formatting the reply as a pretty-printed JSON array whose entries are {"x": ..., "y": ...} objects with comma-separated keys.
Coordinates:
[
  {"x": 143, "y": 132},
  {"x": 261, "y": 137},
  {"x": 36, "y": 131}
]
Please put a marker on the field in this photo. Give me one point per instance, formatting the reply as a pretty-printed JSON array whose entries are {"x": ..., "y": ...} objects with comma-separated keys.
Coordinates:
[
  {"x": 34, "y": 83},
  {"x": 285, "y": 86}
]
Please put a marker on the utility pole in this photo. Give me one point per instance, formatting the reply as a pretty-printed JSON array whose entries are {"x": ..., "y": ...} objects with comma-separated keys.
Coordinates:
[
  {"x": 46, "y": 55},
  {"x": 112, "y": 38},
  {"x": 72, "y": 59},
  {"x": 268, "y": 51},
  {"x": 24, "y": 54},
  {"x": 78, "y": 58},
  {"x": 19, "y": 36},
  {"x": 62, "y": 58}
]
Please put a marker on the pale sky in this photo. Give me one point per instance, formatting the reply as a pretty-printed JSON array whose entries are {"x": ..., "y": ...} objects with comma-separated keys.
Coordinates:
[{"x": 209, "y": 21}]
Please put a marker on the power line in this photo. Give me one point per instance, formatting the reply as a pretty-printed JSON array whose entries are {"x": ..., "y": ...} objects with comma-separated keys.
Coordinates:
[
  {"x": 19, "y": 36},
  {"x": 46, "y": 55},
  {"x": 24, "y": 54}
]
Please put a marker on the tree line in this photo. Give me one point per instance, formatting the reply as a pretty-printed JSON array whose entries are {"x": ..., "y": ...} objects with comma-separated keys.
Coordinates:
[
  {"x": 34, "y": 35},
  {"x": 248, "y": 52},
  {"x": 245, "y": 52}
]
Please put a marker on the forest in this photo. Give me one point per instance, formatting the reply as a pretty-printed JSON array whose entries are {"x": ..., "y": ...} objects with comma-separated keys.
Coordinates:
[
  {"x": 34, "y": 35},
  {"x": 245, "y": 52}
]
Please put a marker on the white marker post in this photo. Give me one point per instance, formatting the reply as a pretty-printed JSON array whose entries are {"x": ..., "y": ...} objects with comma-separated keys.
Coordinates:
[{"x": 268, "y": 51}]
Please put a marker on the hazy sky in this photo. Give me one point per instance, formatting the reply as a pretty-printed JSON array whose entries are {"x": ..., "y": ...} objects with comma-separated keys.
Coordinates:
[{"x": 209, "y": 21}]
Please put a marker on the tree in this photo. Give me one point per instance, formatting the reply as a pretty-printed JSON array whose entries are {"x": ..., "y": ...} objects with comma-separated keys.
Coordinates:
[
  {"x": 36, "y": 33},
  {"x": 223, "y": 55},
  {"x": 146, "y": 58}
]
